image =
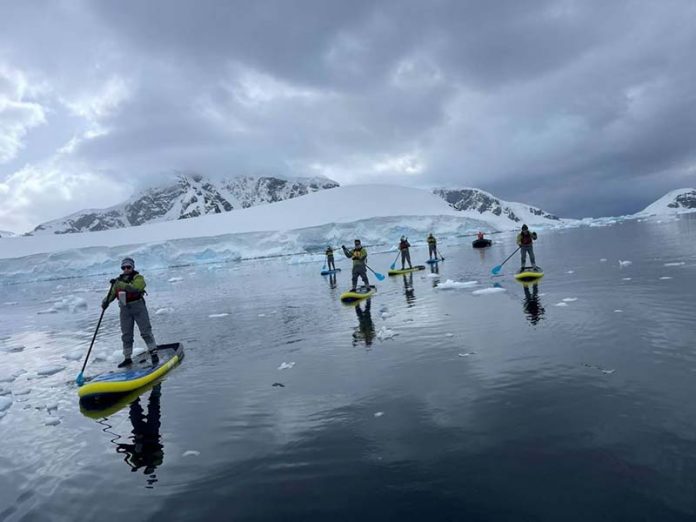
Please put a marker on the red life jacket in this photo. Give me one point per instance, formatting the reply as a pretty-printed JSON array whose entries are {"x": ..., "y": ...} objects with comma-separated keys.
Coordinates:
[
  {"x": 526, "y": 238},
  {"x": 403, "y": 245}
]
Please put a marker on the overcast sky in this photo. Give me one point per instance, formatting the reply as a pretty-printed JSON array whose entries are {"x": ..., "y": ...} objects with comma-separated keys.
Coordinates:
[{"x": 583, "y": 108}]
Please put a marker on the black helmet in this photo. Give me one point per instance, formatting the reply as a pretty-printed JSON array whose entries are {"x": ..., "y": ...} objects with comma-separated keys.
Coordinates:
[
  {"x": 357, "y": 241},
  {"x": 525, "y": 227}
]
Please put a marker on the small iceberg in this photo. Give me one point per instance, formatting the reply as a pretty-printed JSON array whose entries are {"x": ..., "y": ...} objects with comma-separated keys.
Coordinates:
[
  {"x": 191, "y": 453},
  {"x": 385, "y": 333},
  {"x": 561, "y": 304},
  {"x": 456, "y": 284},
  {"x": 286, "y": 365},
  {"x": 165, "y": 310},
  {"x": 625, "y": 263},
  {"x": 174, "y": 279},
  {"x": 680, "y": 263},
  {"x": 488, "y": 291},
  {"x": 223, "y": 314},
  {"x": 569, "y": 299}
]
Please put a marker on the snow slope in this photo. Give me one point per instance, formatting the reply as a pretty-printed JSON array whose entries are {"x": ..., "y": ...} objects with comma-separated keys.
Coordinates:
[{"x": 676, "y": 201}]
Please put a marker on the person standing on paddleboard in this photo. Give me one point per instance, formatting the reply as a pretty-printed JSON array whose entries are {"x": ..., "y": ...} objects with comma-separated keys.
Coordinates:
[
  {"x": 330, "y": 258},
  {"x": 524, "y": 241},
  {"x": 359, "y": 257},
  {"x": 404, "y": 245},
  {"x": 129, "y": 289},
  {"x": 432, "y": 246}
]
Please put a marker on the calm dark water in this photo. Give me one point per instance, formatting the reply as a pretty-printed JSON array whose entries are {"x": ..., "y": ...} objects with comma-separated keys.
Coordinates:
[{"x": 503, "y": 406}]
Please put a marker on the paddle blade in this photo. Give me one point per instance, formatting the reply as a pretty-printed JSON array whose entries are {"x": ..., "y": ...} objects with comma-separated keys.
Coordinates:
[
  {"x": 391, "y": 267},
  {"x": 379, "y": 276},
  {"x": 496, "y": 269},
  {"x": 80, "y": 379}
]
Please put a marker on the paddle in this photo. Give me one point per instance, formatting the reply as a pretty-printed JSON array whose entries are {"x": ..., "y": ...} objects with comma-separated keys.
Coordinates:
[
  {"x": 80, "y": 379},
  {"x": 496, "y": 269},
  {"x": 438, "y": 252},
  {"x": 379, "y": 276},
  {"x": 391, "y": 267}
]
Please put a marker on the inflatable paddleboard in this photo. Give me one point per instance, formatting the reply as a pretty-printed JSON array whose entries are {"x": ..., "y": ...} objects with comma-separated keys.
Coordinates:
[
  {"x": 406, "y": 270},
  {"x": 481, "y": 243},
  {"x": 328, "y": 272},
  {"x": 362, "y": 292},
  {"x": 122, "y": 381},
  {"x": 529, "y": 274},
  {"x": 98, "y": 407}
]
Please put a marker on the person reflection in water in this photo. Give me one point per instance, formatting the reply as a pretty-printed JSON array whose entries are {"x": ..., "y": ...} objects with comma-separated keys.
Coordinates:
[
  {"x": 408, "y": 289},
  {"x": 365, "y": 331},
  {"x": 145, "y": 451},
  {"x": 532, "y": 305},
  {"x": 332, "y": 280}
]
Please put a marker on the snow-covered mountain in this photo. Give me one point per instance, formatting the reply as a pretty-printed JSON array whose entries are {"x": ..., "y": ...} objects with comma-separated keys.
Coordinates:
[
  {"x": 676, "y": 201},
  {"x": 504, "y": 214},
  {"x": 185, "y": 197}
]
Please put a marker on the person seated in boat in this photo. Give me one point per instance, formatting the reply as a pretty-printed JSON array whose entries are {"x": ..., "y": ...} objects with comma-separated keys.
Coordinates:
[
  {"x": 480, "y": 236},
  {"x": 129, "y": 289},
  {"x": 330, "y": 258},
  {"x": 359, "y": 256},
  {"x": 404, "y": 246},
  {"x": 524, "y": 240},
  {"x": 432, "y": 246}
]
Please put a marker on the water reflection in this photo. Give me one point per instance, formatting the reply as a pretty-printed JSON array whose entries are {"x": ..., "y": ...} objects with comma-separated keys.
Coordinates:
[
  {"x": 145, "y": 451},
  {"x": 332, "y": 281},
  {"x": 365, "y": 331},
  {"x": 533, "y": 309},
  {"x": 408, "y": 289}
]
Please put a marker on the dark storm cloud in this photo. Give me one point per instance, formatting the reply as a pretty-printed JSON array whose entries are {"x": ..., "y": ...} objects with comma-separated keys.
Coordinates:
[{"x": 582, "y": 108}]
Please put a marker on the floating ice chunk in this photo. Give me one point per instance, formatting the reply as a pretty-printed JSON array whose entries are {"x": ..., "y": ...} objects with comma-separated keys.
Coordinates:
[
  {"x": 51, "y": 406},
  {"x": 73, "y": 356},
  {"x": 449, "y": 334},
  {"x": 625, "y": 263},
  {"x": 603, "y": 260},
  {"x": 10, "y": 303},
  {"x": 190, "y": 453},
  {"x": 385, "y": 315},
  {"x": 52, "y": 421},
  {"x": 223, "y": 314},
  {"x": 456, "y": 284},
  {"x": 466, "y": 354},
  {"x": 570, "y": 272},
  {"x": 605, "y": 371},
  {"x": 681, "y": 263},
  {"x": 262, "y": 315},
  {"x": 5, "y": 403},
  {"x": 10, "y": 377},
  {"x": 608, "y": 372},
  {"x": 50, "y": 370},
  {"x": 569, "y": 299},
  {"x": 618, "y": 311},
  {"x": 379, "y": 413},
  {"x": 625, "y": 278},
  {"x": 561, "y": 304},
  {"x": 433, "y": 275},
  {"x": 385, "y": 333},
  {"x": 165, "y": 310},
  {"x": 286, "y": 365},
  {"x": 486, "y": 291},
  {"x": 174, "y": 279},
  {"x": 663, "y": 278}
]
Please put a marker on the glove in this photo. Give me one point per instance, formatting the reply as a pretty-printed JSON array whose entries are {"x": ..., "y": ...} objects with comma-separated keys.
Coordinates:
[
  {"x": 105, "y": 304},
  {"x": 112, "y": 281},
  {"x": 534, "y": 236}
]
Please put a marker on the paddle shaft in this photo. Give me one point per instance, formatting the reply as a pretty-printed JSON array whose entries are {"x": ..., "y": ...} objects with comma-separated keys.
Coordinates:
[
  {"x": 395, "y": 259},
  {"x": 379, "y": 276},
  {"x": 84, "y": 364}
]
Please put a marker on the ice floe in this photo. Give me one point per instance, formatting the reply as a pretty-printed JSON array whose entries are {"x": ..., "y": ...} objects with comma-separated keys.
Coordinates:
[
  {"x": 561, "y": 304},
  {"x": 191, "y": 453},
  {"x": 50, "y": 370},
  {"x": 385, "y": 333},
  {"x": 664, "y": 278},
  {"x": 165, "y": 310},
  {"x": 378, "y": 413},
  {"x": 487, "y": 291},
  {"x": 625, "y": 263},
  {"x": 223, "y": 314},
  {"x": 626, "y": 278},
  {"x": 618, "y": 311},
  {"x": 456, "y": 284},
  {"x": 52, "y": 421},
  {"x": 603, "y": 260},
  {"x": 466, "y": 354},
  {"x": 680, "y": 263},
  {"x": 569, "y": 299},
  {"x": 175, "y": 279},
  {"x": 570, "y": 272},
  {"x": 73, "y": 356},
  {"x": 286, "y": 365}
]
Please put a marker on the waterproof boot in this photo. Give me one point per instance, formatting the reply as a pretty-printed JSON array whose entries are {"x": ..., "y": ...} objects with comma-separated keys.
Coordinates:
[
  {"x": 126, "y": 362},
  {"x": 155, "y": 358}
]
